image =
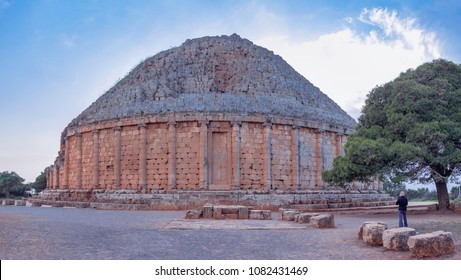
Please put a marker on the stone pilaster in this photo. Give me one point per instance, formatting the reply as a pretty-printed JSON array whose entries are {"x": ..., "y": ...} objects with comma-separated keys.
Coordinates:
[
  {"x": 49, "y": 177},
  {"x": 338, "y": 144},
  {"x": 79, "y": 161},
  {"x": 96, "y": 158},
  {"x": 295, "y": 160},
  {"x": 318, "y": 158},
  {"x": 203, "y": 162},
  {"x": 268, "y": 156},
  {"x": 143, "y": 158},
  {"x": 66, "y": 164},
  {"x": 55, "y": 172},
  {"x": 380, "y": 186},
  {"x": 343, "y": 143},
  {"x": 56, "y": 178},
  {"x": 172, "y": 155},
  {"x": 118, "y": 157},
  {"x": 236, "y": 125}
]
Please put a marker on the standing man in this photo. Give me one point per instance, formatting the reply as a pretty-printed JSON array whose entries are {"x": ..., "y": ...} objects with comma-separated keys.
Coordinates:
[{"x": 402, "y": 202}]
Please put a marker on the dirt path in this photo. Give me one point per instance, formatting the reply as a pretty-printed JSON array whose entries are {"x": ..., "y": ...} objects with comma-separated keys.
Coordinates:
[{"x": 59, "y": 233}]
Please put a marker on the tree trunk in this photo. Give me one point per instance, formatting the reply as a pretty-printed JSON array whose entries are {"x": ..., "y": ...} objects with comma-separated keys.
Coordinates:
[{"x": 442, "y": 194}]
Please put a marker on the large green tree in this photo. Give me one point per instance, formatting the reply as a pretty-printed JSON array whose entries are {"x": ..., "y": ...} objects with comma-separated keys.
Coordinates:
[
  {"x": 8, "y": 181},
  {"x": 410, "y": 130},
  {"x": 40, "y": 182}
]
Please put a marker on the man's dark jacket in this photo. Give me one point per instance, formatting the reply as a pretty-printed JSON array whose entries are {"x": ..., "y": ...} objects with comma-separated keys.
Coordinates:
[{"x": 402, "y": 202}]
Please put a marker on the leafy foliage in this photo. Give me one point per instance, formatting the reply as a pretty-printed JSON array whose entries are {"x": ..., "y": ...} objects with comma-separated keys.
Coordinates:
[
  {"x": 410, "y": 129},
  {"x": 10, "y": 182},
  {"x": 40, "y": 182}
]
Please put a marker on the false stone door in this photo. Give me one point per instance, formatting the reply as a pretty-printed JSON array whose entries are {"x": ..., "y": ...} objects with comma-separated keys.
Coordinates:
[{"x": 220, "y": 159}]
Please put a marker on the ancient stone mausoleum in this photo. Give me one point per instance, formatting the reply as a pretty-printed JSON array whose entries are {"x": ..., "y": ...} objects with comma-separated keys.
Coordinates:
[{"x": 217, "y": 119}]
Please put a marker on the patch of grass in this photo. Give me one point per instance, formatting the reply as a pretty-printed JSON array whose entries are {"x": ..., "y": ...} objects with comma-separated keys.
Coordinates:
[{"x": 422, "y": 200}]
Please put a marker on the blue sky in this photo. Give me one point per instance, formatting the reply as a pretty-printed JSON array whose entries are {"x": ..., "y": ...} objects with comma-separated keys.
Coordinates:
[{"x": 57, "y": 57}]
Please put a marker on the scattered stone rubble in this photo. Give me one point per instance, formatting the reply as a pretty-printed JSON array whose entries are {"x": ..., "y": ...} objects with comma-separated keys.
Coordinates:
[
  {"x": 434, "y": 244},
  {"x": 324, "y": 220}
]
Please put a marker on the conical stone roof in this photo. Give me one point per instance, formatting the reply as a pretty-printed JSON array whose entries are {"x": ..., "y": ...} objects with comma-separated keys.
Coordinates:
[{"x": 222, "y": 74}]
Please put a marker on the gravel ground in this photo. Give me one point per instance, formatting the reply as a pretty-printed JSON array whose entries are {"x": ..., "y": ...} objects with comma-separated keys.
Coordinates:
[{"x": 81, "y": 234}]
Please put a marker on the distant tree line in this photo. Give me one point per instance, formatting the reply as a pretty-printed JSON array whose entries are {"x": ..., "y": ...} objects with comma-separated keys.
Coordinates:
[
  {"x": 12, "y": 185},
  {"x": 393, "y": 189}
]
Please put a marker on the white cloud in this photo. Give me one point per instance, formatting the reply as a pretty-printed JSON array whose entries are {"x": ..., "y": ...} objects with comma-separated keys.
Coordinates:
[
  {"x": 68, "y": 41},
  {"x": 348, "y": 63}
]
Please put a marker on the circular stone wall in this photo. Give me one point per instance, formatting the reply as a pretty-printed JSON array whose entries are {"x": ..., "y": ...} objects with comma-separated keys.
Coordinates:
[{"x": 213, "y": 120}]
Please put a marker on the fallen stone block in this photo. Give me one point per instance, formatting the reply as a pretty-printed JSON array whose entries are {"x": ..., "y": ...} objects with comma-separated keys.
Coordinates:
[
  {"x": 227, "y": 212},
  {"x": 207, "y": 211},
  {"x": 396, "y": 239},
  {"x": 33, "y": 203},
  {"x": 8, "y": 202},
  {"x": 260, "y": 215},
  {"x": 373, "y": 234},
  {"x": 60, "y": 204},
  {"x": 194, "y": 214},
  {"x": 432, "y": 244},
  {"x": 360, "y": 235},
  {"x": 19, "y": 203},
  {"x": 217, "y": 213},
  {"x": 289, "y": 215},
  {"x": 282, "y": 211},
  {"x": 322, "y": 221},
  {"x": 304, "y": 218},
  {"x": 244, "y": 212}
]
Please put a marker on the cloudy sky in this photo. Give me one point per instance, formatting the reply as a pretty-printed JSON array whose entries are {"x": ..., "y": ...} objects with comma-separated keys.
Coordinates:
[{"x": 58, "y": 56}]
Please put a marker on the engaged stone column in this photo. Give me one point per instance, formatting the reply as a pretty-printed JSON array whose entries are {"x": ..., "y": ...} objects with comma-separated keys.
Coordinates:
[
  {"x": 49, "y": 177},
  {"x": 203, "y": 160},
  {"x": 96, "y": 159},
  {"x": 118, "y": 156},
  {"x": 268, "y": 156},
  {"x": 295, "y": 160},
  {"x": 56, "y": 177},
  {"x": 318, "y": 158},
  {"x": 143, "y": 158},
  {"x": 380, "y": 186},
  {"x": 79, "y": 161},
  {"x": 236, "y": 155},
  {"x": 343, "y": 142},
  {"x": 66, "y": 163},
  {"x": 172, "y": 155},
  {"x": 338, "y": 143}
]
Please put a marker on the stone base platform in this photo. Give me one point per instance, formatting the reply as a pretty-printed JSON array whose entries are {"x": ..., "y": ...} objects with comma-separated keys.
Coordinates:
[
  {"x": 232, "y": 212},
  {"x": 318, "y": 200}
]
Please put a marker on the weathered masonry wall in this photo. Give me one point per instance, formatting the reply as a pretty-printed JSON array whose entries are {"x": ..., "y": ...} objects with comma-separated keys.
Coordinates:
[
  {"x": 211, "y": 153},
  {"x": 157, "y": 156}
]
